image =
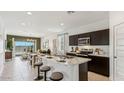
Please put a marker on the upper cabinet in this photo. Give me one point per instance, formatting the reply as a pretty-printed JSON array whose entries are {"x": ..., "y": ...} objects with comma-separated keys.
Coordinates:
[
  {"x": 84, "y": 35},
  {"x": 73, "y": 40},
  {"x": 100, "y": 37}
]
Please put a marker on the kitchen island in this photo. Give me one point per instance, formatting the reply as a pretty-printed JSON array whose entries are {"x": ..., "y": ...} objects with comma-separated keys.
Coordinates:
[
  {"x": 98, "y": 64},
  {"x": 73, "y": 68}
]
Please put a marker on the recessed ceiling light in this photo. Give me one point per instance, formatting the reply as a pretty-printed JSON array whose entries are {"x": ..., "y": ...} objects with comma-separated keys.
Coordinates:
[
  {"x": 61, "y": 24},
  {"x": 70, "y": 12},
  {"x": 23, "y": 24},
  {"x": 29, "y": 13}
]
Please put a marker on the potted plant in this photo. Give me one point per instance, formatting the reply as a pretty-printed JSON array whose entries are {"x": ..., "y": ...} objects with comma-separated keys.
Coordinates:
[
  {"x": 8, "y": 53},
  {"x": 9, "y": 44}
]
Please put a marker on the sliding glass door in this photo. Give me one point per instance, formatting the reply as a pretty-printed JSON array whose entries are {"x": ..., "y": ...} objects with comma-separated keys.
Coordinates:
[{"x": 24, "y": 46}]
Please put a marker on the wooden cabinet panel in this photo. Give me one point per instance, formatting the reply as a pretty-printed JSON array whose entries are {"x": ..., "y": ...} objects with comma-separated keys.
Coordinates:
[
  {"x": 84, "y": 35},
  {"x": 83, "y": 72},
  {"x": 99, "y": 65},
  {"x": 73, "y": 40},
  {"x": 8, "y": 55},
  {"x": 100, "y": 37}
]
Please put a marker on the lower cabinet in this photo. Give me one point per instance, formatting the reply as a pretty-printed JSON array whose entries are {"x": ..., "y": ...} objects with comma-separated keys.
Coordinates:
[
  {"x": 83, "y": 72},
  {"x": 99, "y": 65}
]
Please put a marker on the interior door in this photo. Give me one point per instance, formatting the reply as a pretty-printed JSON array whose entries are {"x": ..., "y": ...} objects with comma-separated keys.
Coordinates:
[{"x": 119, "y": 52}]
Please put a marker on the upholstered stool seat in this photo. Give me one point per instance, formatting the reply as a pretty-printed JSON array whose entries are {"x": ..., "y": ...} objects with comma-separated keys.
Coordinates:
[
  {"x": 38, "y": 65},
  {"x": 56, "y": 76},
  {"x": 45, "y": 69}
]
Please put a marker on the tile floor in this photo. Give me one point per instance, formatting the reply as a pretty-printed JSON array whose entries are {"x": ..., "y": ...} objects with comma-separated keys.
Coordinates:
[
  {"x": 21, "y": 70},
  {"x": 96, "y": 77},
  {"x": 17, "y": 70}
]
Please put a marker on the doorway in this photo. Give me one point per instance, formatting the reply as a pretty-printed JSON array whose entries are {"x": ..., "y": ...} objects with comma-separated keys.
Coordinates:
[{"x": 119, "y": 52}]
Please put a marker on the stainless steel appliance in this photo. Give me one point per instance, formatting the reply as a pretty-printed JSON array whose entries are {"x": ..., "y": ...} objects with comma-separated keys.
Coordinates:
[{"x": 84, "y": 41}]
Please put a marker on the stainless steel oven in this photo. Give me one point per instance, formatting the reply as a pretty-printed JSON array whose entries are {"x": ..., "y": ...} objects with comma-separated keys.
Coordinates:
[{"x": 84, "y": 41}]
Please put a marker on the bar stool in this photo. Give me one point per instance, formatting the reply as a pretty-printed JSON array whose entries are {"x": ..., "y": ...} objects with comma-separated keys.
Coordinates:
[
  {"x": 45, "y": 69},
  {"x": 30, "y": 59},
  {"x": 38, "y": 65},
  {"x": 56, "y": 76},
  {"x": 34, "y": 60}
]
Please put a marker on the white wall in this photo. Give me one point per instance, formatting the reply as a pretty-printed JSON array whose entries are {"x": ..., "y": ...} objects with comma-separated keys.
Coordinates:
[
  {"x": 103, "y": 24},
  {"x": 115, "y": 18},
  {"x": 2, "y": 53}
]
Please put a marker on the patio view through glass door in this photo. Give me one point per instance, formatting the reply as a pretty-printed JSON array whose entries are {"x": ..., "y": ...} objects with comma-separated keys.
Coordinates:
[{"x": 24, "y": 46}]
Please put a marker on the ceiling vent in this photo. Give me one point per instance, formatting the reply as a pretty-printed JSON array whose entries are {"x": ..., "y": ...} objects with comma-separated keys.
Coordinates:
[{"x": 70, "y": 12}]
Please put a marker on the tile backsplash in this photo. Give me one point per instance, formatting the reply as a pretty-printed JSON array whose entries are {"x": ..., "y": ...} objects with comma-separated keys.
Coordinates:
[{"x": 105, "y": 48}]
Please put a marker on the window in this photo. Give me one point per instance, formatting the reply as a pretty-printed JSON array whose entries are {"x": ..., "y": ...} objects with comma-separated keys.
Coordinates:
[
  {"x": 62, "y": 40},
  {"x": 46, "y": 44},
  {"x": 23, "y": 43}
]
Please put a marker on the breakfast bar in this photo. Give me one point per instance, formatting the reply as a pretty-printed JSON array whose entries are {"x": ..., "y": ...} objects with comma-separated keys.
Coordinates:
[{"x": 73, "y": 68}]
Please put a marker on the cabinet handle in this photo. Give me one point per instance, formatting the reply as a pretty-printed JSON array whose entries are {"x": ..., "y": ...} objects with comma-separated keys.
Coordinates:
[{"x": 115, "y": 56}]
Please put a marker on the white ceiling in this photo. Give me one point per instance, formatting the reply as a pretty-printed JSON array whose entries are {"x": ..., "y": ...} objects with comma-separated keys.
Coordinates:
[{"x": 42, "y": 23}]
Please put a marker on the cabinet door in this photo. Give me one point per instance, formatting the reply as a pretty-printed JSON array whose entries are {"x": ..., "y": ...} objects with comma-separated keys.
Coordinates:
[
  {"x": 99, "y": 65},
  {"x": 100, "y": 37},
  {"x": 84, "y": 35},
  {"x": 73, "y": 40}
]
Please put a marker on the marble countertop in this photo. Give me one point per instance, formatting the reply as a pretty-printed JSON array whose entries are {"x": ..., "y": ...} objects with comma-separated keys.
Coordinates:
[
  {"x": 68, "y": 61},
  {"x": 100, "y": 55}
]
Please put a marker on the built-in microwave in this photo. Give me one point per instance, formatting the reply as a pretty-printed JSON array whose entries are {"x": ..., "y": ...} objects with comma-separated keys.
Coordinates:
[{"x": 84, "y": 41}]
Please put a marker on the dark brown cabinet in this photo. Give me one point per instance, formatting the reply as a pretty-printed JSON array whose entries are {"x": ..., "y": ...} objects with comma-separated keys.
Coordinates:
[
  {"x": 84, "y": 35},
  {"x": 83, "y": 72},
  {"x": 8, "y": 55},
  {"x": 73, "y": 40},
  {"x": 100, "y": 37},
  {"x": 99, "y": 65}
]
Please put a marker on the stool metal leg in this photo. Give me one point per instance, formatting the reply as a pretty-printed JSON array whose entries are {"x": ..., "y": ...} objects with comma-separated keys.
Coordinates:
[
  {"x": 45, "y": 76},
  {"x": 38, "y": 76}
]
